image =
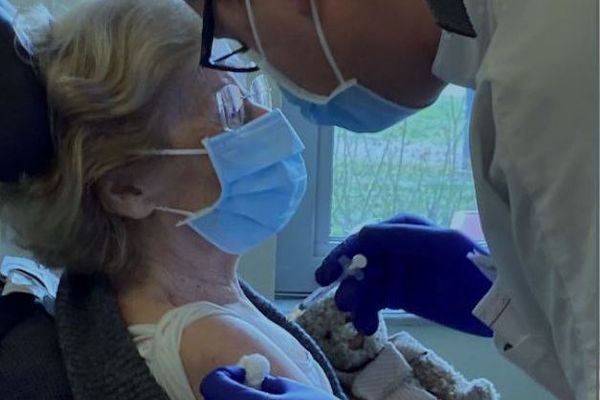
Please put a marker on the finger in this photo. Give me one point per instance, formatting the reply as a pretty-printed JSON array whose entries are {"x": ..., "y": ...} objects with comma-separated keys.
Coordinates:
[
  {"x": 365, "y": 316},
  {"x": 366, "y": 323},
  {"x": 328, "y": 272},
  {"x": 234, "y": 372},
  {"x": 276, "y": 386},
  {"x": 348, "y": 294},
  {"x": 331, "y": 268},
  {"x": 224, "y": 383}
]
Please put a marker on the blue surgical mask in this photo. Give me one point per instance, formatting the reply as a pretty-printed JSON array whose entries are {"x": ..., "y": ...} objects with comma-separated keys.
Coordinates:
[
  {"x": 350, "y": 105},
  {"x": 263, "y": 179}
]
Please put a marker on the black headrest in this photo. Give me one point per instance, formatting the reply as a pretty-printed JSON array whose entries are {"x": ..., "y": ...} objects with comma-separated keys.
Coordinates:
[{"x": 25, "y": 142}]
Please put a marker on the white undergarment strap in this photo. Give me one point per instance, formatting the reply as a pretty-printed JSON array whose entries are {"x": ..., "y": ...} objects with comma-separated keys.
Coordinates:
[{"x": 160, "y": 345}]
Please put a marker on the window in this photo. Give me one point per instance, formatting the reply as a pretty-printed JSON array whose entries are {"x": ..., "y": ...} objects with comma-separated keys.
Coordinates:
[{"x": 420, "y": 166}]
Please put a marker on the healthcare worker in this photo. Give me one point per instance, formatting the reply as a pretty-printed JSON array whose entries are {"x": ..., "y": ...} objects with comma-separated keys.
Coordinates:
[{"x": 366, "y": 65}]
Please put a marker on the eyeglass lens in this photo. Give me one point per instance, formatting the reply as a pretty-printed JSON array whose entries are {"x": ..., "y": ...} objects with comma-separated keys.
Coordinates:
[{"x": 231, "y": 101}]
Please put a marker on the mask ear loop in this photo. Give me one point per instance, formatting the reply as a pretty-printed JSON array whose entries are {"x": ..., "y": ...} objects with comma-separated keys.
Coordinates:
[
  {"x": 324, "y": 43},
  {"x": 320, "y": 33},
  {"x": 173, "y": 152},
  {"x": 176, "y": 211},
  {"x": 177, "y": 152},
  {"x": 187, "y": 214},
  {"x": 254, "y": 28}
]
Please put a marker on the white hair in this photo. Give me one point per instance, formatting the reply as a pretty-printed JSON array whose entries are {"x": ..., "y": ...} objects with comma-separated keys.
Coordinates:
[{"x": 115, "y": 73}]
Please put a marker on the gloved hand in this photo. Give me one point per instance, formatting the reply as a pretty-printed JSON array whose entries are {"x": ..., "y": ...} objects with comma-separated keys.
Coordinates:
[
  {"x": 412, "y": 265},
  {"x": 228, "y": 384}
]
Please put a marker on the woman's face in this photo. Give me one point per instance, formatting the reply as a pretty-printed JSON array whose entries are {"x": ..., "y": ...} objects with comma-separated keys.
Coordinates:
[
  {"x": 187, "y": 182},
  {"x": 190, "y": 181}
]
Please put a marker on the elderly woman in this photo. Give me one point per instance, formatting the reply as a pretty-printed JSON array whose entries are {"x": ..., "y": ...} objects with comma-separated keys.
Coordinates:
[{"x": 163, "y": 173}]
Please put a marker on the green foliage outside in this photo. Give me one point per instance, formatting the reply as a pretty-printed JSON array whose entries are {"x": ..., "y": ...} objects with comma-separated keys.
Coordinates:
[{"x": 420, "y": 166}]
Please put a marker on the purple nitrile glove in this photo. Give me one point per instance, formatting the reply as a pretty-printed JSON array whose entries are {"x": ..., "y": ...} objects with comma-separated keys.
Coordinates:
[
  {"x": 411, "y": 265},
  {"x": 228, "y": 384}
]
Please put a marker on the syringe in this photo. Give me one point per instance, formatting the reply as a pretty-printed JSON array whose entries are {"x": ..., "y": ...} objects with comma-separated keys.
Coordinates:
[{"x": 352, "y": 267}]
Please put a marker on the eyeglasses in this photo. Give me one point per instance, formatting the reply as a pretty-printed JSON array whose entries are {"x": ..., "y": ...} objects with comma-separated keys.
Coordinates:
[
  {"x": 226, "y": 62},
  {"x": 231, "y": 99}
]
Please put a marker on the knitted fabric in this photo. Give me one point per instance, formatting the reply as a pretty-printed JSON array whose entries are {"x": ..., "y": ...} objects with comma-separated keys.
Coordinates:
[
  {"x": 389, "y": 377},
  {"x": 30, "y": 362}
]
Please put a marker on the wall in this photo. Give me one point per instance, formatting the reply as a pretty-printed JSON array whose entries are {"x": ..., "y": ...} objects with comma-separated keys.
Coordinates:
[{"x": 257, "y": 267}]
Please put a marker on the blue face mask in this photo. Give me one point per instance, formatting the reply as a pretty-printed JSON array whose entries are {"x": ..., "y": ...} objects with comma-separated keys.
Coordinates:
[
  {"x": 350, "y": 105},
  {"x": 263, "y": 179}
]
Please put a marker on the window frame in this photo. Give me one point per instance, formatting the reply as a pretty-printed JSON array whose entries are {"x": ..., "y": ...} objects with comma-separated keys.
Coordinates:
[{"x": 303, "y": 243}]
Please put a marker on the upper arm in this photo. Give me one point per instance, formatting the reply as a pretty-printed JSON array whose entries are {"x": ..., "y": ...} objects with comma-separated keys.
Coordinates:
[{"x": 222, "y": 340}]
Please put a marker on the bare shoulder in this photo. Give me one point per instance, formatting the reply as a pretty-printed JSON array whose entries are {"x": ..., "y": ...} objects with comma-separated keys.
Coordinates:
[{"x": 222, "y": 340}]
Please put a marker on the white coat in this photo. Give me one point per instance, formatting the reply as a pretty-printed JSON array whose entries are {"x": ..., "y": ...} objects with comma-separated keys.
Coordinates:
[{"x": 534, "y": 144}]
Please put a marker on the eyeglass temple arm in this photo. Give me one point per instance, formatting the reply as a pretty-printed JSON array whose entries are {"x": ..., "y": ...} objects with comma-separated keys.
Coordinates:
[{"x": 208, "y": 34}]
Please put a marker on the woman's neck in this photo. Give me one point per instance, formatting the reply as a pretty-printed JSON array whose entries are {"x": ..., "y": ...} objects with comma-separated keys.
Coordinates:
[
  {"x": 178, "y": 267},
  {"x": 180, "y": 278}
]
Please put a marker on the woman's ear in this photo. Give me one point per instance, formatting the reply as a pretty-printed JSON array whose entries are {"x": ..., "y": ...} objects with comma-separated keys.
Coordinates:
[{"x": 121, "y": 195}]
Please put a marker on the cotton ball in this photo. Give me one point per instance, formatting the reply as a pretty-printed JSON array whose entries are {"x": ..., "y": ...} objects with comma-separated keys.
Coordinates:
[{"x": 257, "y": 368}]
